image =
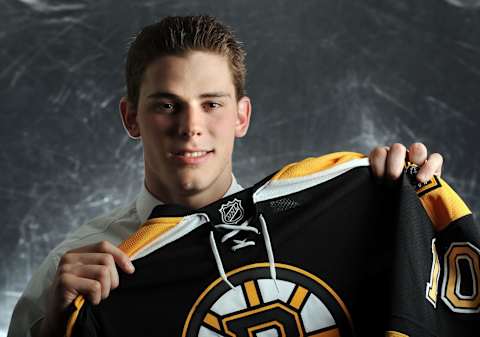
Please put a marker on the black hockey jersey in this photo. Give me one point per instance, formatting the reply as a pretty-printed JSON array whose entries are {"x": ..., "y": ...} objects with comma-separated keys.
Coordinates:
[{"x": 316, "y": 249}]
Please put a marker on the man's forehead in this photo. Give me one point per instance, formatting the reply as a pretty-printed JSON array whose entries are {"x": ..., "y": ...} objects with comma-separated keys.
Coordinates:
[
  {"x": 193, "y": 64},
  {"x": 195, "y": 74}
]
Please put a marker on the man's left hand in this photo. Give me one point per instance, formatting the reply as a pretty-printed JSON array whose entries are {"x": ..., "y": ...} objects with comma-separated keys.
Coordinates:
[{"x": 388, "y": 161}]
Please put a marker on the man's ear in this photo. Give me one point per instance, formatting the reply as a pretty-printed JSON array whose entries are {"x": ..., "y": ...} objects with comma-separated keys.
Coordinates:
[
  {"x": 129, "y": 118},
  {"x": 244, "y": 111}
]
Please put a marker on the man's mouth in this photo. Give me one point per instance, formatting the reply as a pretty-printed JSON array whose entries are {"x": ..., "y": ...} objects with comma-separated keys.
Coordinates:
[
  {"x": 192, "y": 154},
  {"x": 191, "y": 157}
]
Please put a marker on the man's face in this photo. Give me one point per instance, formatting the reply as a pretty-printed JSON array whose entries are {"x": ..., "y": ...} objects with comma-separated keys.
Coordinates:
[{"x": 188, "y": 118}]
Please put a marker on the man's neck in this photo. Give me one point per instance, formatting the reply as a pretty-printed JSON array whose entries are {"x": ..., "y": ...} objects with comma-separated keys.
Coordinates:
[{"x": 190, "y": 198}]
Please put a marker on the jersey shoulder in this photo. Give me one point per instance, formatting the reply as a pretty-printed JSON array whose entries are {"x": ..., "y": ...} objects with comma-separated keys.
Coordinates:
[{"x": 307, "y": 173}]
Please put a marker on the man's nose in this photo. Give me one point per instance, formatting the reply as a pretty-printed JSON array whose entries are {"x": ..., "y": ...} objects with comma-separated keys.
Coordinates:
[{"x": 191, "y": 121}]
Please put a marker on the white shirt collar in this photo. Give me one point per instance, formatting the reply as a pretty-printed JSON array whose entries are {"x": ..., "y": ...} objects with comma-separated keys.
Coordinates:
[{"x": 146, "y": 201}]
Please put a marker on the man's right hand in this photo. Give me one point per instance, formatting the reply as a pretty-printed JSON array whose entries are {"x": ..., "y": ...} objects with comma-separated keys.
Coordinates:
[{"x": 90, "y": 271}]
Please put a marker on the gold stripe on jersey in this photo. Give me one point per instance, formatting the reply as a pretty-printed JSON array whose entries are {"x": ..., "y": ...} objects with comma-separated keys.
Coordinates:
[
  {"x": 163, "y": 220},
  {"x": 212, "y": 321},
  {"x": 394, "y": 334},
  {"x": 78, "y": 303},
  {"x": 313, "y": 165},
  {"x": 441, "y": 203},
  {"x": 299, "y": 297},
  {"x": 149, "y": 231},
  {"x": 252, "y": 294}
]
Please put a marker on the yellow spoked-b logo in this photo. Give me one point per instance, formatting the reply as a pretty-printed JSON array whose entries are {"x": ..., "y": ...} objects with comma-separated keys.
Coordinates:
[{"x": 303, "y": 305}]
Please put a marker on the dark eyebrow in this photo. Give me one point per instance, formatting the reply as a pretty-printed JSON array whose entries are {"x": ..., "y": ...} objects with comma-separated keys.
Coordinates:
[
  {"x": 161, "y": 94},
  {"x": 218, "y": 94},
  {"x": 169, "y": 95}
]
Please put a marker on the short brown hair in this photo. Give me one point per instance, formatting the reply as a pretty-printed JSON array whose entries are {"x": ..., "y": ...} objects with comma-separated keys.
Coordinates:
[{"x": 177, "y": 35}]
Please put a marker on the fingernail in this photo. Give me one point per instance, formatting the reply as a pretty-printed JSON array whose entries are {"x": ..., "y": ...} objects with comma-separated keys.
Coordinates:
[{"x": 131, "y": 267}]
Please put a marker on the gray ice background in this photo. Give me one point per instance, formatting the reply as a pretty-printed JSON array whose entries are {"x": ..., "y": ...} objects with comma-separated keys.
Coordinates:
[{"x": 324, "y": 76}]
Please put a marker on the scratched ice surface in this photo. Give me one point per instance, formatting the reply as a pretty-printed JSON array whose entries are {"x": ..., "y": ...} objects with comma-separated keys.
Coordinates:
[{"x": 323, "y": 76}]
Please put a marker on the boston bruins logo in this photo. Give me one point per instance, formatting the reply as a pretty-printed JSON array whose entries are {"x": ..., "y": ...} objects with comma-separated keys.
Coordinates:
[{"x": 304, "y": 305}]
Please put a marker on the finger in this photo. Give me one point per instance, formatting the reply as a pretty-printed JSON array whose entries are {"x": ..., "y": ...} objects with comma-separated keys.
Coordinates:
[
  {"x": 417, "y": 153},
  {"x": 395, "y": 161},
  {"x": 377, "y": 159},
  {"x": 121, "y": 259},
  {"x": 76, "y": 262},
  {"x": 432, "y": 166},
  {"x": 69, "y": 286},
  {"x": 99, "y": 273}
]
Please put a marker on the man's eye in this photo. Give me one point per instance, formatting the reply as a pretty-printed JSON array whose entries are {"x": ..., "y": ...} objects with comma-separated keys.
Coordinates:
[
  {"x": 213, "y": 105},
  {"x": 168, "y": 106},
  {"x": 165, "y": 107}
]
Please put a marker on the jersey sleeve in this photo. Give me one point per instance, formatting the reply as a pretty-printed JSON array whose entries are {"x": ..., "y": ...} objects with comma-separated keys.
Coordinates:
[{"x": 436, "y": 278}]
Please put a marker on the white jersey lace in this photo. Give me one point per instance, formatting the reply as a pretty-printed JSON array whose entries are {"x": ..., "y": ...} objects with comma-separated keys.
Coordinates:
[{"x": 234, "y": 230}]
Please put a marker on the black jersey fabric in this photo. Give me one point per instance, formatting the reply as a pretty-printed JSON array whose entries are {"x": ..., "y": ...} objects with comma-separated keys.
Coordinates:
[{"x": 352, "y": 258}]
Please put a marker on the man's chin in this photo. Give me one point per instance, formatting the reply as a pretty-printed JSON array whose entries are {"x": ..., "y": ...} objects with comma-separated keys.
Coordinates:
[{"x": 192, "y": 185}]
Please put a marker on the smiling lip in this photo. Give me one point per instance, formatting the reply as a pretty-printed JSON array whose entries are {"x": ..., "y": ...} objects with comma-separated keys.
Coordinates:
[{"x": 191, "y": 157}]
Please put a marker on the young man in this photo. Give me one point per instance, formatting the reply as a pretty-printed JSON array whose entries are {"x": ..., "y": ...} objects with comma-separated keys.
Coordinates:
[{"x": 186, "y": 102}]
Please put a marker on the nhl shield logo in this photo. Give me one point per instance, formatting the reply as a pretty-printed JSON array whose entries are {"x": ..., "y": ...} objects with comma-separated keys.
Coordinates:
[{"x": 232, "y": 211}]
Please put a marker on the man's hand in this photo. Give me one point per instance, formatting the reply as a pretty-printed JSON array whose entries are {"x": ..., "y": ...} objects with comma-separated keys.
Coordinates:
[
  {"x": 388, "y": 162},
  {"x": 90, "y": 271}
]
